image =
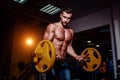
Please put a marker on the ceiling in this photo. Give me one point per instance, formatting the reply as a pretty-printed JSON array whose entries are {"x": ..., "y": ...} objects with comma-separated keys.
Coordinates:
[{"x": 32, "y": 7}]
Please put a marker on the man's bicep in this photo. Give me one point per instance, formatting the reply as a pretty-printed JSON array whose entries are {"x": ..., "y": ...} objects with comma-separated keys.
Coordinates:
[
  {"x": 45, "y": 35},
  {"x": 51, "y": 36},
  {"x": 49, "y": 33},
  {"x": 69, "y": 46},
  {"x": 48, "y": 36}
]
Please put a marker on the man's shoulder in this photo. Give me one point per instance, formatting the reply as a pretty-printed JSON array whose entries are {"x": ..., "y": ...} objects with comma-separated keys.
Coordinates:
[{"x": 52, "y": 24}]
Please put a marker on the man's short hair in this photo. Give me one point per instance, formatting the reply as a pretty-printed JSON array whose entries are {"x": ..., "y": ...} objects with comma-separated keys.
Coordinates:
[{"x": 67, "y": 10}]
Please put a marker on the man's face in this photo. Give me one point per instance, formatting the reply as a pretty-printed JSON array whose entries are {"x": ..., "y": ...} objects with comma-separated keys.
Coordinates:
[{"x": 65, "y": 18}]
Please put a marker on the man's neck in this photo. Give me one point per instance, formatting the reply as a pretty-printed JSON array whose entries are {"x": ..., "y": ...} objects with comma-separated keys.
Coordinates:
[{"x": 65, "y": 26}]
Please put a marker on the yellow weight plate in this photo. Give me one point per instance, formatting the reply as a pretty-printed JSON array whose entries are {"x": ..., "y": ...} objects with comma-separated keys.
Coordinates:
[
  {"x": 92, "y": 59},
  {"x": 44, "y": 56}
]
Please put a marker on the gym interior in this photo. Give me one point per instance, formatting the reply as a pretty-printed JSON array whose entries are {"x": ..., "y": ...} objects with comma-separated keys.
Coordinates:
[{"x": 96, "y": 25}]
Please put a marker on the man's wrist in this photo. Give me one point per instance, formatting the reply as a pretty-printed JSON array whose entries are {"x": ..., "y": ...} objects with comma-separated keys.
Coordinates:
[{"x": 76, "y": 57}]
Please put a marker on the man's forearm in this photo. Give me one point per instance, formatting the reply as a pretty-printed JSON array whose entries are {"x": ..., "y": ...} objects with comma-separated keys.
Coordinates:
[{"x": 71, "y": 52}]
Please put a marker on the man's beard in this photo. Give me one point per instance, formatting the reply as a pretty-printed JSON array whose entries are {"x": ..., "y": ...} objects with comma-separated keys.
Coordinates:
[{"x": 64, "y": 23}]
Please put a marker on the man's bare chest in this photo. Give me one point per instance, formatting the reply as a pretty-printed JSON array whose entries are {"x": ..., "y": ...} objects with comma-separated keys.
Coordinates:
[{"x": 63, "y": 34}]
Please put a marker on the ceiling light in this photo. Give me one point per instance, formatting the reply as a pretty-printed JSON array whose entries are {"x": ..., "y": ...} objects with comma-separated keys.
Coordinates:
[
  {"x": 97, "y": 45},
  {"x": 20, "y": 1},
  {"x": 110, "y": 50},
  {"x": 88, "y": 41},
  {"x": 50, "y": 9}
]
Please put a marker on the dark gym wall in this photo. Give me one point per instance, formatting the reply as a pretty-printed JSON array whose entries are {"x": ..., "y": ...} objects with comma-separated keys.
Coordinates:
[{"x": 6, "y": 40}]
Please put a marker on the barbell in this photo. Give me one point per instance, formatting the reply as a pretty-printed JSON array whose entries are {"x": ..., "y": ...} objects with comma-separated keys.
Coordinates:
[
  {"x": 91, "y": 59},
  {"x": 45, "y": 54}
]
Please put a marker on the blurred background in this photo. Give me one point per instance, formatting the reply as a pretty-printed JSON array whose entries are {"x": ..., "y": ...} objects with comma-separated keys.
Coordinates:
[{"x": 95, "y": 22}]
